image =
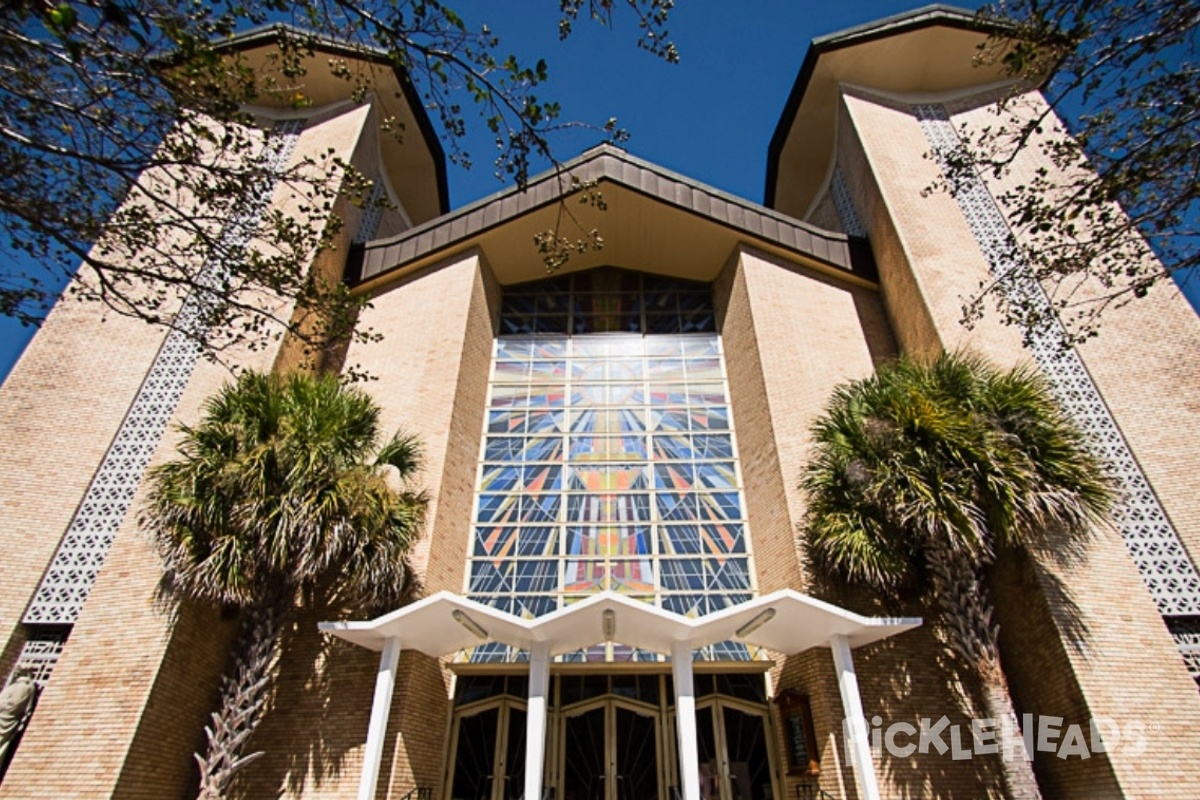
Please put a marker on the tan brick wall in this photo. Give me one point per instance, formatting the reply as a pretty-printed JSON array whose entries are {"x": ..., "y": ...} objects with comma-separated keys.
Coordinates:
[
  {"x": 432, "y": 369},
  {"x": 315, "y": 730},
  {"x": 928, "y": 263},
  {"x": 451, "y": 535},
  {"x": 129, "y": 698},
  {"x": 1092, "y": 645},
  {"x": 790, "y": 337},
  {"x": 1089, "y": 642},
  {"x": 812, "y": 674},
  {"x": 904, "y": 679},
  {"x": 352, "y": 134},
  {"x": 771, "y": 535},
  {"x": 59, "y": 409},
  {"x": 95, "y": 731},
  {"x": 1145, "y": 362},
  {"x": 1144, "y": 365},
  {"x": 421, "y": 725},
  {"x": 183, "y": 694},
  {"x": 1046, "y": 683}
]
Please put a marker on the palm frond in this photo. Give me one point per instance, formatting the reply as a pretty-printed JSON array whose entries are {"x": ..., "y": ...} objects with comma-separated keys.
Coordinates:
[
  {"x": 278, "y": 487},
  {"x": 955, "y": 455}
]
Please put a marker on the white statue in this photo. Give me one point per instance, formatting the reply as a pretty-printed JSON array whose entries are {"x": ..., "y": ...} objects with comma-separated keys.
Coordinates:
[{"x": 16, "y": 703}]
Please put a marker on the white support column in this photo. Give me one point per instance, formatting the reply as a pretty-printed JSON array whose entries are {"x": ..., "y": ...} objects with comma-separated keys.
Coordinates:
[
  {"x": 381, "y": 706},
  {"x": 856, "y": 723},
  {"x": 685, "y": 719},
  {"x": 535, "y": 719}
]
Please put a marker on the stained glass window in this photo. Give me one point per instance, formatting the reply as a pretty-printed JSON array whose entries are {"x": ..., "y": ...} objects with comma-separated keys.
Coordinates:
[{"x": 608, "y": 458}]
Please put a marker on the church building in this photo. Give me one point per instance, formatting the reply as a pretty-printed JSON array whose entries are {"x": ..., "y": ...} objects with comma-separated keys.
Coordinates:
[{"x": 615, "y": 599}]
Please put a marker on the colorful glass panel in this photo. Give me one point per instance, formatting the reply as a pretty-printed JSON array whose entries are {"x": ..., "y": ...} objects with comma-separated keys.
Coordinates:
[{"x": 608, "y": 460}]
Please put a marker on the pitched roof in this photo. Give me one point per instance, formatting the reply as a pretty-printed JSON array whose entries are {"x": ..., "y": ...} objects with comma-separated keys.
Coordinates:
[
  {"x": 651, "y": 209},
  {"x": 399, "y": 98},
  {"x": 929, "y": 49}
]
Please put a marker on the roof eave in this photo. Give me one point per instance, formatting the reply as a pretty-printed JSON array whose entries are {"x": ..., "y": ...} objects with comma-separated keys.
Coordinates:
[
  {"x": 837, "y": 253},
  {"x": 928, "y": 16},
  {"x": 267, "y": 34}
]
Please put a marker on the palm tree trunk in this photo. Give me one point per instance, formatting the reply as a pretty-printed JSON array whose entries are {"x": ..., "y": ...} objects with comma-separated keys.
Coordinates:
[
  {"x": 973, "y": 637},
  {"x": 1018, "y": 769},
  {"x": 243, "y": 695}
]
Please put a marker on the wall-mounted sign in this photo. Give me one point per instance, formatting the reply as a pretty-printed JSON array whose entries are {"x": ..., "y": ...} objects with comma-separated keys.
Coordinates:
[{"x": 804, "y": 758}]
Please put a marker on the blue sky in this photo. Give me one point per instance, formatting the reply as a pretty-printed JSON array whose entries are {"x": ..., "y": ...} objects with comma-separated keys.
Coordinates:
[{"x": 710, "y": 116}]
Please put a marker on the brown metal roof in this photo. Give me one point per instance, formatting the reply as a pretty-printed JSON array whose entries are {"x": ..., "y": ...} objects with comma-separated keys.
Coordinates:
[{"x": 613, "y": 166}]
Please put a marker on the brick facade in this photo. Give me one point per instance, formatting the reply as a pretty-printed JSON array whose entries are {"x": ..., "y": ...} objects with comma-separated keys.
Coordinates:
[
  {"x": 133, "y": 688},
  {"x": 1074, "y": 628}
]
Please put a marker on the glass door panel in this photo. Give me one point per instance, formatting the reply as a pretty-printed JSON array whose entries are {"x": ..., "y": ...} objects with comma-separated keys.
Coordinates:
[
  {"x": 513, "y": 786},
  {"x": 706, "y": 746},
  {"x": 610, "y": 751},
  {"x": 734, "y": 754},
  {"x": 636, "y": 747},
  {"x": 746, "y": 755},
  {"x": 474, "y": 756},
  {"x": 585, "y": 759},
  {"x": 489, "y": 754}
]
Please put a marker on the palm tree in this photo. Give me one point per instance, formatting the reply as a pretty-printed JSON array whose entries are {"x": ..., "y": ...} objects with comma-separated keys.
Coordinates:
[
  {"x": 923, "y": 473},
  {"x": 283, "y": 486}
]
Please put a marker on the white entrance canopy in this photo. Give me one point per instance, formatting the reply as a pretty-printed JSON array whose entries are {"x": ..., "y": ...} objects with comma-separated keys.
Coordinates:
[
  {"x": 784, "y": 621},
  {"x": 798, "y": 623}
]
